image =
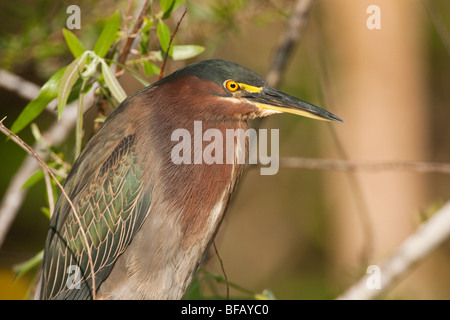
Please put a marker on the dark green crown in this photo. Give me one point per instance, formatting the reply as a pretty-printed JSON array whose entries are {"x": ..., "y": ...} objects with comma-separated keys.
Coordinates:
[{"x": 218, "y": 71}]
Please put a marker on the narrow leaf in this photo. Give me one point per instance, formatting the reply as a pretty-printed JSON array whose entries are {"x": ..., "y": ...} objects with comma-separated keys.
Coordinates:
[
  {"x": 73, "y": 43},
  {"x": 163, "y": 32},
  {"x": 108, "y": 35},
  {"x": 148, "y": 24},
  {"x": 150, "y": 68},
  {"x": 169, "y": 9},
  {"x": 36, "y": 133},
  {"x": 70, "y": 76},
  {"x": 21, "y": 269},
  {"x": 182, "y": 52},
  {"x": 166, "y": 5},
  {"x": 145, "y": 36},
  {"x": 46, "y": 212},
  {"x": 35, "y": 177},
  {"x": 49, "y": 91},
  {"x": 133, "y": 73},
  {"x": 176, "y": 4},
  {"x": 112, "y": 83}
]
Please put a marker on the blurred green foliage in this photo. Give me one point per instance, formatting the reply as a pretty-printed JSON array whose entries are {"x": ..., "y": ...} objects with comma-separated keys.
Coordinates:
[{"x": 33, "y": 45}]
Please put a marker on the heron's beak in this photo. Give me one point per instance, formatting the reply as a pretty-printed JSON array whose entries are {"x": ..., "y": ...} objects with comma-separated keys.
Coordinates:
[{"x": 272, "y": 99}]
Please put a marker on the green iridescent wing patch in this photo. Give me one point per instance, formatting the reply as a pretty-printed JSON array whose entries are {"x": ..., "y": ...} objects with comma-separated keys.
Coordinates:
[{"x": 111, "y": 206}]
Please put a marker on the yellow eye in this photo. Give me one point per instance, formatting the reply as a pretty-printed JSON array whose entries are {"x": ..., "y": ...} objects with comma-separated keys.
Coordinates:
[{"x": 231, "y": 85}]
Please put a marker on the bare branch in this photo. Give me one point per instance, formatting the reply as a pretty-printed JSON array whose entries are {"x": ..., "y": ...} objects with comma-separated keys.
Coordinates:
[
  {"x": 342, "y": 165},
  {"x": 131, "y": 37},
  {"x": 414, "y": 249},
  {"x": 161, "y": 74},
  {"x": 22, "y": 87},
  {"x": 288, "y": 40},
  {"x": 15, "y": 194},
  {"x": 55, "y": 135},
  {"x": 286, "y": 46}
]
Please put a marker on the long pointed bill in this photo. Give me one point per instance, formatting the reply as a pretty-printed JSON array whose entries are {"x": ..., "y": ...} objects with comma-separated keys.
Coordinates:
[{"x": 272, "y": 99}]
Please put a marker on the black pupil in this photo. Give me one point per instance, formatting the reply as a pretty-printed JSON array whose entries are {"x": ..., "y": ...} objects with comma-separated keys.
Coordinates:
[{"x": 232, "y": 85}]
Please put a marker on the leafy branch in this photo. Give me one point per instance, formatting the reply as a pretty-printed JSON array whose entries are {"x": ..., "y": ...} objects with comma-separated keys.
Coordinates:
[
  {"x": 47, "y": 171},
  {"x": 91, "y": 72}
]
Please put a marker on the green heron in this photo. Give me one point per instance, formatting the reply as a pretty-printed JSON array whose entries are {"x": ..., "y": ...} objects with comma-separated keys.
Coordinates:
[{"x": 147, "y": 220}]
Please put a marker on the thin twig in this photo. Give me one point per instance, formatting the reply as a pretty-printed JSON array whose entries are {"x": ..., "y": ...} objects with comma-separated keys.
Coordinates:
[
  {"x": 288, "y": 40},
  {"x": 286, "y": 45},
  {"x": 129, "y": 14},
  {"x": 161, "y": 74},
  {"x": 58, "y": 172},
  {"x": 223, "y": 270},
  {"x": 48, "y": 186},
  {"x": 342, "y": 165},
  {"x": 414, "y": 249},
  {"x": 130, "y": 39},
  {"x": 55, "y": 135},
  {"x": 15, "y": 194},
  {"x": 30, "y": 151},
  {"x": 233, "y": 285},
  {"x": 359, "y": 197}
]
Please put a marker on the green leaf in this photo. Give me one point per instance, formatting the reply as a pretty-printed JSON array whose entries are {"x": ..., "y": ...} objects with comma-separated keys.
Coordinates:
[
  {"x": 150, "y": 68},
  {"x": 163, "y": 32},
  {"x": 176, "y": 4},
  {"x": 145, "y": 36},
  {"x": 73, "y": 43},
  {"x": 132, "y": 72},
  {"x": 108, "y": 35},
  {"x": 35, "y": 177},
  {"x": 182, "y": 52},
  {"x": 70, "y": 76},
  {"x": 49, "y": 91},
  {"x": 46, "y": 212},
  {"x": 148, "y": 24},
  {"x": 76, "y": 90},
  {"x": 22, "y": 268},
  {"x": 168, "y": 6},
  {"x": 36, "y": 133},
  {"x": 112, "y": 83}
]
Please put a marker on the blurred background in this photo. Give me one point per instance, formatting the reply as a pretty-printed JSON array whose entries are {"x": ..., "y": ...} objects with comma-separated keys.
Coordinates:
[{"x": 302, "y": 234}]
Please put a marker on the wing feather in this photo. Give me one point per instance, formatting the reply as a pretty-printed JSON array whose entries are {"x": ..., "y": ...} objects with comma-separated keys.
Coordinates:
[{"x": 111, "y": 204}]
